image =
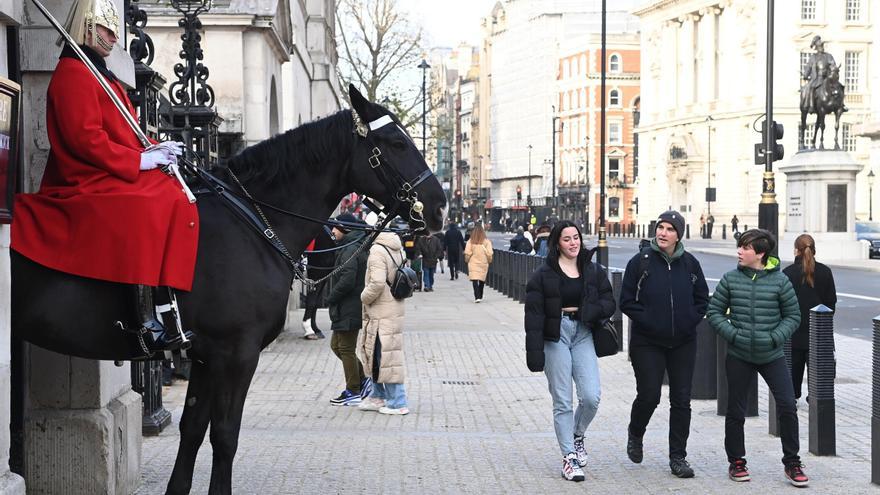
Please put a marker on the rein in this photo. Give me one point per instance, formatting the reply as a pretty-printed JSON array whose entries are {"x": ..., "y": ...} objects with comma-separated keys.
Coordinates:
[{"x": 404, "y": 193}]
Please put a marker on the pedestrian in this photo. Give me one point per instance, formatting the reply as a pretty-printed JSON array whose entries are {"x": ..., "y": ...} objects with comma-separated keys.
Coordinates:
[
  {"x": 710, "y": 222},
  {"x": 381, "y": 344},
  {"x": 441, "y": 238},
  {"x": 430, "y": 251},
  {"x": 703, "y": 225},
  {"x": 106, "y": 209},
  {"x": 755, "y": 309},
  {"x": 813, "y": 284},
  {"x": 319, "y": 264},
  {"x": 454, "y": 243},
  {"x": 665, "y": 295},
  {"x": 519, "y": 243},
  {"x": 734, "y": 224},
  {"x": 530, "y": 236},
  {"x": 566, "y": 297},
  {"x": 478, "y": 255},
  {"x": 541, "y": 238},
  {"x": 344, "y": 302}
]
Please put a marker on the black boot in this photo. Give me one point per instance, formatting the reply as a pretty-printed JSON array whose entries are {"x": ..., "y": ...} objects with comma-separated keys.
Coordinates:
[
  {"x": 156, "y": 337},
  {"x": 634, "y": 448}
]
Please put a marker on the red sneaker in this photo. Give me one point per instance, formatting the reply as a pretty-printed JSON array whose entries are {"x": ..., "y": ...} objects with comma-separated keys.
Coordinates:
[
  {"x": 795, "y": 475},
  {"x": 739, "y": 472}
]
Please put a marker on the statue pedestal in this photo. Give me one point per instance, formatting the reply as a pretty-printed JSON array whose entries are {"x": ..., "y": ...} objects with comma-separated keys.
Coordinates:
[{"x": 820, "y": 201}]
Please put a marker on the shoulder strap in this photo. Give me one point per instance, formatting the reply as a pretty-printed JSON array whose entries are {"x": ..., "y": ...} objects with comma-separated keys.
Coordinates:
[{"x": 644, "y": 260}]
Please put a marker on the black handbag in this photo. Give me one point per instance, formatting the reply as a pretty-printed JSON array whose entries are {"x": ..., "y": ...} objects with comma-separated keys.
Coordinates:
[{"x": 606, "y": 339}]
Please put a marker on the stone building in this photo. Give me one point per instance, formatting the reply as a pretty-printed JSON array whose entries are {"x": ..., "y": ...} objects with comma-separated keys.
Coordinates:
[
  {"x": 76, "y": 425},
  {"x": 703, "y": 94}
]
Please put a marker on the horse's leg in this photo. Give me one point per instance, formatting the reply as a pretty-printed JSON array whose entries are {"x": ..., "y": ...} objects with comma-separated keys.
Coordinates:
[
  {"x": 837, "y": 113},
  {"x": 801, "y": 130},
  {"x": 227, "y": 404},
  {"x": 193, "y": 424}
]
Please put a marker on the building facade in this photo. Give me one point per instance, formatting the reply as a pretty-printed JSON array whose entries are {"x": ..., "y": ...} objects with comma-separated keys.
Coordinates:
[
  {"x": 703, "y": 63},
  {"x": 579, "y": 103}
]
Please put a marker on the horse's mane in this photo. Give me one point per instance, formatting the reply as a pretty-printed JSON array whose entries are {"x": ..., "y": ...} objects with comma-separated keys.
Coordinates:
[{"x": 310, "y": 145}]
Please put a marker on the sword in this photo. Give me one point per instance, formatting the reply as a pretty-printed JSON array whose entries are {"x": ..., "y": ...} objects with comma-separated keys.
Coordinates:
[{"x": 129, "y": 118}]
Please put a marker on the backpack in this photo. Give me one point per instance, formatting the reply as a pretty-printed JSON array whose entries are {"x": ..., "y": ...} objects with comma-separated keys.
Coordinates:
[
  {"x": 405, "y": 279},
  {"x": 644, "y": 254}
]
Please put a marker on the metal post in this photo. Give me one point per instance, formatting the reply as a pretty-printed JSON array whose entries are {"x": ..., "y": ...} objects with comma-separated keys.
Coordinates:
[
  {"x": 875, "y": 404},
  {"x": 823, "y": 435},
  {"x": 424, "y": 66},
  {"x": 768, "y": 209},
  {"x": 603, "y": 240},
  {"x": 704, "y": 384},
  {"x": 708, "y": 163},
  {"x": 616, "y": 285},
  {"x": 529, "y": 197}
]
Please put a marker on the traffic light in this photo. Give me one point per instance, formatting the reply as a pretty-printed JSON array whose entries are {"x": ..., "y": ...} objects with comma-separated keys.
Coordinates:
[
  {"x": 776, "y": 133},
  {"x": 518, "y": 193}
]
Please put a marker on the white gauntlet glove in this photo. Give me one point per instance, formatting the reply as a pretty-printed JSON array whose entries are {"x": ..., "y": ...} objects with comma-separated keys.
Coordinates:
[{"x": 164, "y": 153}]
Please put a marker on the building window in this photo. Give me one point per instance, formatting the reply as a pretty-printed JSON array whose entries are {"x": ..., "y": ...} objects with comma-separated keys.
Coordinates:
[
  {"x": 614, "y": 98},
  {"x": 853, "y": 10},
  {"x": 851, "y": 72},
  {"x": 613, "y": 168},
  {"x": 614, "y": 132},
  {"x": 614, "y": 207},
  {"x": 808, "y": 10},
  {"x": 805, "y": 60},
  {"x": 614, "y": 63},
  {"x": 848, "y": 138}
]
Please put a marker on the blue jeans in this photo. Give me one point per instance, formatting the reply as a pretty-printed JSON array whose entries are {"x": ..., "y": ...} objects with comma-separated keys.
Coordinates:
[
  {"x": 429, "y": 276},
  {"x": 572, "y": 360},
  {"x": 394, "y": 394}
]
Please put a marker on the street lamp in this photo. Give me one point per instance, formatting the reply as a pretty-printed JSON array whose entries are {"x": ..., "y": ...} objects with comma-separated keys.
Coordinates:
[
  {"x": 529, "y": 196},
  {"x": 553, "y": 121},
  {"x": 709, "y": 192},
  {"x": 871, "y": 195},
  {"x": 424, "y": 66}
]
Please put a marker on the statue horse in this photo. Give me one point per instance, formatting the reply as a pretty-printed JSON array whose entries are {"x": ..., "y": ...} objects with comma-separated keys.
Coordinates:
[
  {"x": 239, "y": 296},
  {"x": 827, "y": 100}
]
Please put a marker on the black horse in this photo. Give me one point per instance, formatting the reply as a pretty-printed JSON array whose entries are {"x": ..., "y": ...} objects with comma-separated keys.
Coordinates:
[
  {"x": 238, "y": 300},
  {"x": 827, "y": 100}
]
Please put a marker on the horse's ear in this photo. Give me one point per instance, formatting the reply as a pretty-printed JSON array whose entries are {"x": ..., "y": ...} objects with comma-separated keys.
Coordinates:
[{"x": 358, "y": 103}]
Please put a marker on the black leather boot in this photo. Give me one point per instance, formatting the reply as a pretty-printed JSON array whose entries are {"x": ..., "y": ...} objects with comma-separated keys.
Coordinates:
[{"x": 156, "y": 336}]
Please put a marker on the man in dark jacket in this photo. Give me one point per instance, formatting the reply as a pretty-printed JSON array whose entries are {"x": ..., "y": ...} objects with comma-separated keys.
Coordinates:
[
  {"x": 519, "y": 243},
  {"x": 454, "y": 244},
  {"x": 344, "y": 301},
  {"x": 431, "y": 251},
  {"x": 665, "y": 295},
  {"x": 754, "y": 308}
]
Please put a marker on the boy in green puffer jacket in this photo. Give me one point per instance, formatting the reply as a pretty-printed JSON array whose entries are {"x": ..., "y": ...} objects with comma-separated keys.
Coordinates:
[{"x": 755, "y": 310}]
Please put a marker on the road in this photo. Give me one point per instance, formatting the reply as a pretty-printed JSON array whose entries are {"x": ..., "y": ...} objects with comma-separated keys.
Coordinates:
[{"x": 857, "y": 290}]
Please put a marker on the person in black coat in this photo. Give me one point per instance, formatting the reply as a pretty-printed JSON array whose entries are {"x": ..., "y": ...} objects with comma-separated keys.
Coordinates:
[
  {"x": 454, "y": 246},
  {"x": 566, "y": 298},
  {"x": 814, "y": 285},
  {"x": 665, "y": 295}
]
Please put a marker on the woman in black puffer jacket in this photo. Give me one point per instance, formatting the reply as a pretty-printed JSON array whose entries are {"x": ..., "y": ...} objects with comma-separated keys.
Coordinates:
[{"x": 566, "y": 298}]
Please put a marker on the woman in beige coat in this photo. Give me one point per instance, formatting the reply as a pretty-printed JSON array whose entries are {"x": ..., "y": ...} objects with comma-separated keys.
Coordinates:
[
  {"x": 478, "y": 254},
  {"x": 380, "y": 342}
]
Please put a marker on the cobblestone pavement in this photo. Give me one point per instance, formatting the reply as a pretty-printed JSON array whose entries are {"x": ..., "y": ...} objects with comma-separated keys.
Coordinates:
[{"x": 482, "y": 423}]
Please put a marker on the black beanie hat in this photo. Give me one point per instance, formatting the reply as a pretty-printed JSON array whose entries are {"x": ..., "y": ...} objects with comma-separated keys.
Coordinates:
[
  {"x": 347, "y": 218},
  {"x": 675, "y": 219}
]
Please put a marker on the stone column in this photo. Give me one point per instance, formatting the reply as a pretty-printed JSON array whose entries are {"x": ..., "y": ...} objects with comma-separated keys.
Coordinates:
[{"x": 82, "y": 422}]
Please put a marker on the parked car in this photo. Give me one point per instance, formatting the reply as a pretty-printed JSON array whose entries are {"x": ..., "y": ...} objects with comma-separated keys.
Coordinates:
[{"x": 870, "y": 231}]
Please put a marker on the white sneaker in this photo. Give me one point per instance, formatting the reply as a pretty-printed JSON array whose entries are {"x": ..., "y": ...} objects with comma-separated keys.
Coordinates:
[
  {"x": 371, "y": 404},
  {"x": 307, "y": 328},
  {"x": 580, "y": 451},
  {"x": 398, "y": 412},
  {"x": 570, "y": 468},
  {"x": 477, "y": 301}
]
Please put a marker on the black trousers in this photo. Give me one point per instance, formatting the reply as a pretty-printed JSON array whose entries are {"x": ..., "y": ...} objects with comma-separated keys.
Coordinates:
[
  {"x": 778, "y": 379},
  {"x": 454, "y": 268},
  {"x": 799, "y": 358},
  {"x": 649, "y": 363},
  {"x": 478, "y": 288}
]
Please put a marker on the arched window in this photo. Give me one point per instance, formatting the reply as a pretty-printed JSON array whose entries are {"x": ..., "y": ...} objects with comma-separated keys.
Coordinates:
[
  {"x": 614, "y": 63},
  {"x": 614, "y": 98}
]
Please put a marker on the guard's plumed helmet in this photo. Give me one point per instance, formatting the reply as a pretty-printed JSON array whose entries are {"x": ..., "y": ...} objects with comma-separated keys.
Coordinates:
[{"x": 86, "y": 14}]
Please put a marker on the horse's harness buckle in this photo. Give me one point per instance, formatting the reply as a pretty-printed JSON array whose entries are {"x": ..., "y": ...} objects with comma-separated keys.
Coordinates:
[{"x": 374, "y": 158}]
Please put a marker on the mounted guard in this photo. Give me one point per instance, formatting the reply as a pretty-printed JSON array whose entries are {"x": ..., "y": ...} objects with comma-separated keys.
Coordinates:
[
  {"x": 823, "y": 94},
  {"x": 105, "y": 208}
]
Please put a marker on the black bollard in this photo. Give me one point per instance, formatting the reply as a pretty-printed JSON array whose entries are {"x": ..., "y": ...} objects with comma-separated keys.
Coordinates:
[
  {"x": 146, "y": 379},
  {"x": 772, "y": 420},
  {"x": 724, "y": 231},
  {"x": 875, "y": 405},
  {"x": 687, "y": 231},
  {"x": 704, "y": 384},
  {"x": 823, "y": 435},
  {"x": 616, "y": 285},
  {"x": 751, "y": 402}
]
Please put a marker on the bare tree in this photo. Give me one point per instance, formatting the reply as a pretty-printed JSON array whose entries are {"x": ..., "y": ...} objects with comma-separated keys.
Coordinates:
[{"x": 379, "y": 43}]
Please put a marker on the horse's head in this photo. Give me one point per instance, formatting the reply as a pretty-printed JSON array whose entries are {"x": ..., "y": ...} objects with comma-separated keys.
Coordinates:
[{"x": 387, "y": 166}]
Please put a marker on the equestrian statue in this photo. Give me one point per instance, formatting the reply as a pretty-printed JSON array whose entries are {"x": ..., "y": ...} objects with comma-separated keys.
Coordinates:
[{"x": 822, "y": 94}]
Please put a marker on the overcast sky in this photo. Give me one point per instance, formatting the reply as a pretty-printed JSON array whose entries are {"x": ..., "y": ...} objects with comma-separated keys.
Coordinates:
[{"x": 449, "y": 22}]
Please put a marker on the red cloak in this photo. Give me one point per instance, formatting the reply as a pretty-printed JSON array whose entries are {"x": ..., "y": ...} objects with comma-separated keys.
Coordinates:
[{"x": 97, "y": 214}]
